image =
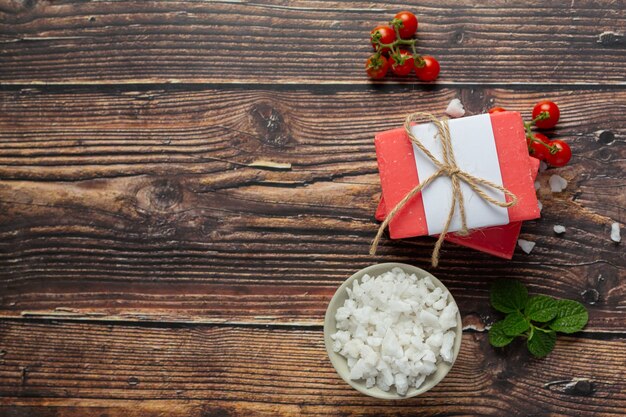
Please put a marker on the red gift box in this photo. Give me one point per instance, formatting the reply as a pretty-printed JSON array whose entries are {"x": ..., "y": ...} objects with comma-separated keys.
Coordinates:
[
  {"x": 494, "y": 147},
  {"x": 497, "y": 240}
]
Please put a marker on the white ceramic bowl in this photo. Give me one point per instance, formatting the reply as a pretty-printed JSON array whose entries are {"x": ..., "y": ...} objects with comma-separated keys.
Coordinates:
[{"x": 340, "y": 363}]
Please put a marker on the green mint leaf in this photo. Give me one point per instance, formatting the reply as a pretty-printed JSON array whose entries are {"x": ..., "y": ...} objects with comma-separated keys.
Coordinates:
[
  {"x": 541, "y": 308},
  {"x": 508, "y": 295},
  {"x": 497, "y": 337},
  {"x": 571, "y": 317},
  {"x": 541, "y": 343},
  {"x": 515, "y": 324}
]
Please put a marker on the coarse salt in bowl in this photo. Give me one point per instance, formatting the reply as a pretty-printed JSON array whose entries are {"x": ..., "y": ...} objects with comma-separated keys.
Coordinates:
[{"x": 395, "y": 334}]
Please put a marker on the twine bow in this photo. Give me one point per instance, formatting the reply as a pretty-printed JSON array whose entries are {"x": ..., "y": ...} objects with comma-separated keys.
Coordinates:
[{"x": 448, "y": 167}]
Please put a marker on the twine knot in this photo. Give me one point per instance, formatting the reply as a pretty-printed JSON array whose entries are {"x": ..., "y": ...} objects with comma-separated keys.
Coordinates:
[
  {"x": 451, "y": 171},
  {"x": 448, "y": 167}
]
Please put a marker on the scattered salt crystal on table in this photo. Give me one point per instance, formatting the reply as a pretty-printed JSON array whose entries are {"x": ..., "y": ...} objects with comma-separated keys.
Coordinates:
[
  {"x": 526, "y": 245},
  {"x": 540, "y": 204},
  {"x": 542, "y": 166},
  {"x": 557, "y": 183},
  {"x": 394, "y": 328},
  {"x": 558, "y": 229},
  {"x": 615, "y": 233},
  {"x": 455, "y": 108},
  {"x": 537, "y": 185}
]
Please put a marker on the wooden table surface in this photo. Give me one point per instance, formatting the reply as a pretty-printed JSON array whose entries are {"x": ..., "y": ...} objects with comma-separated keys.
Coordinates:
[{"x": 150, "y": 266}]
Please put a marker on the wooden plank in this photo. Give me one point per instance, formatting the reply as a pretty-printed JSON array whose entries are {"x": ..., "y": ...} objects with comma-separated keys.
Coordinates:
[
  {"x": 117, "y": 204},
  {"x": 500, "y": 42},
  {"x": 165, "y": 232},
  {"x": 89, "y": 369}
]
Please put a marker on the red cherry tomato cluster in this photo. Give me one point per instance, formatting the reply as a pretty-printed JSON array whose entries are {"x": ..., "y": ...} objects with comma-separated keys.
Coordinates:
[
  {"x": 545, "y": 116},
  {"x": 395, "y": 50}
]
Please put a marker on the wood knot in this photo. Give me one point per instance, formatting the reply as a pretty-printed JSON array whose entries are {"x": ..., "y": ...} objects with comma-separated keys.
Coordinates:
[
  {"x": 165, "y": 194},
  {"x": 133, "y": 381},
  {"x": 574, "y": 386},
  {"x": 458, "y": 37},
  {"x": 580, "y": 387},
  {"x": 609, "y": 38},
  {"x": 269, "y": 125},
  {"x": 590, "y": 296},
  {"x": 605, "y": 137},
  {"x": 475, "y": 101},
  {"x": 212, "y": 411},
  {"x": 605, "y": 154}
]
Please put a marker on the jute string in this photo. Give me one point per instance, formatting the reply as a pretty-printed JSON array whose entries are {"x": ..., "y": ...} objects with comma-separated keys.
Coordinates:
[{"x": 448, "y": 167}]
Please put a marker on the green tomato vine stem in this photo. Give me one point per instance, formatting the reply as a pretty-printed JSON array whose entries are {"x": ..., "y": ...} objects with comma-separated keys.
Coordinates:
[
  {"x": 544, "y": 115},
  {"x": 394, "y": 46}
]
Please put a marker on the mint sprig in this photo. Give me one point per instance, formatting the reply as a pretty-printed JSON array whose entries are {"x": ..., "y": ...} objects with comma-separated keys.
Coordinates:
[
  {"x": 508, "y": 295},
  {"x": 537, "y": 318}
]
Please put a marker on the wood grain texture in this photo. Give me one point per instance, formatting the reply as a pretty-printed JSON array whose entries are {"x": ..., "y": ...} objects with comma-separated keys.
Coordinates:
[
  {"x": 181, "y": 194},
  {"x": 235, "y": 371},
  {"x": 134, "y": 205},
  {"x": 310, "y": 42}
]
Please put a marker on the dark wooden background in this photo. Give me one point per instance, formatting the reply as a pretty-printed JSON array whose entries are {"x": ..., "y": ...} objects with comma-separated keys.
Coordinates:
[{"x": 147, "y": 269}]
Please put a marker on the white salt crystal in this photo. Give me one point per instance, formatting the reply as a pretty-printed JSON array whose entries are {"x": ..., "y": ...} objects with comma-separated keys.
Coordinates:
[
  {"x": 401, "y": 383},
  {"x": 429, "y": 356},
  {"x": 388, "y": 376},
  {"x": 557, "y": 183},
  {"x": 374, "y": 341},
  {"x": 341, "y": 336},
  {"x": 352, "y": 348},
  {"x": 381, "y": 384},
  {"x": 446, "y": 346},
  {"x": 558, "y": 229},
  {"x": 429, "y": 319},
  {"x": 615, "y": 233},
  {"x": 526, "y": 245},
  {"x": 435, "y": 340},
  {"x": 419, "y": 381},
  {"x": 358, "y": 369},
  {"x": 429, "y": 283},
  {"x": 342, "y": 314},
  {"x": 360, "y": 332},
  {"x": 537, "y": 185},
  {"x": 455, "y": 108},
  {"x": 392, "y": 330},
  {"x": 391, "y": 347},
  {"x": 369, "y": 356},
  {"x": 441, "y": 303},
  {"x": 433, "y": 296},
  {"x": 448, "y": 316},
  {"x": 542, "y": 166},
  {"x": 540, "y": 204}
]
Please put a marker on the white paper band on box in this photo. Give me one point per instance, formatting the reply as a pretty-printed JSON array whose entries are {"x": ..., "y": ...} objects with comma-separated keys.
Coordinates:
[{"x": 475, "y": 152}]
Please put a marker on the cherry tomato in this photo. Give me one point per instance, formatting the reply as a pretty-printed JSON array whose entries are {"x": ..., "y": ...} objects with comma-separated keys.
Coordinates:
[
  {"x": 539, "y": 149},
  {"x": 409, "y": 24},
  {"x": 553, "y": 111},
  {"x": 387, "y": 35},
  {"x": 430, "y": 70},
  {"x": 404, "y": 64},
  {"x": 376, "y": 67},
  {"x": 496, "y": 110},
  {"x": 561, "y": 155}
]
